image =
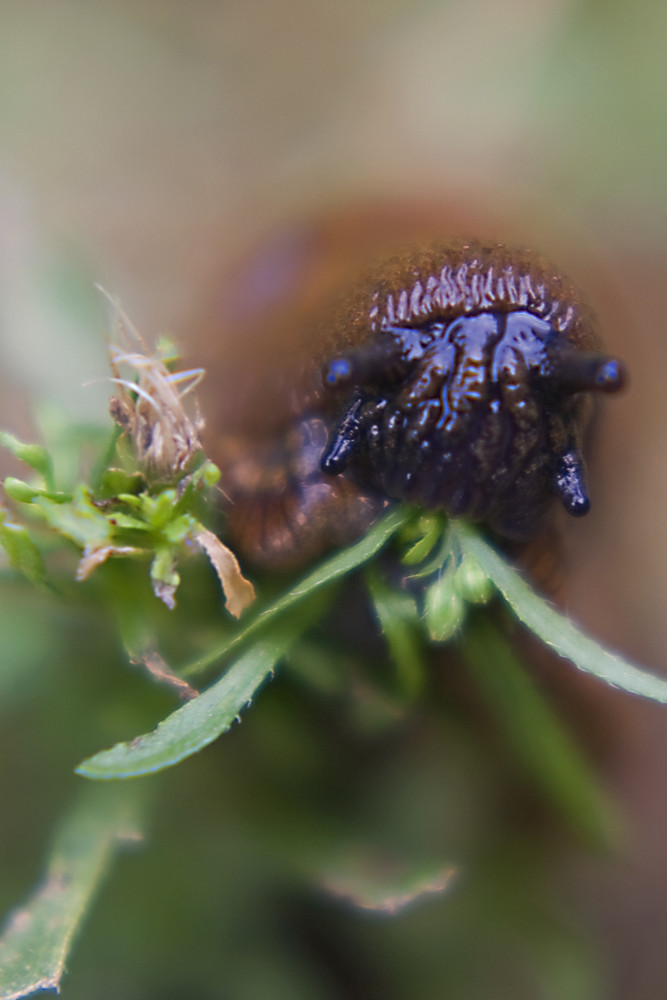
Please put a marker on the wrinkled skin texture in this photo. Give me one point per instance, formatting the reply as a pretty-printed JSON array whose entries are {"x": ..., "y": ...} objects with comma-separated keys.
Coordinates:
[{"x": 455, "y": 375}]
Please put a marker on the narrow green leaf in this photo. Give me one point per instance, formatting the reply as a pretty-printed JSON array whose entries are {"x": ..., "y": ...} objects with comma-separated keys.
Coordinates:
[
  {"x": 125, "y": 522},
  {"x": 19, "y": 490},
  {"x": 200, "y": 721},
  {"x": 429, "y": 528},
  {"x": 33, "y": 455},
  {"x": 540, "y": 742},
  {"x": 398, "y": 616},
  {"x": 22, "y": 552},
  {"x": 554, "y": 628},
  {"x": 330, "y": 571},
  {"x": 38, "y": 935}
]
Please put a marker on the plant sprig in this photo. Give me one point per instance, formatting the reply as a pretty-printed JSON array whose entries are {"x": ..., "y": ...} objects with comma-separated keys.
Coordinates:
[
  {"x": 457, "y": 569},
  {"x": 470, "y": 572}
]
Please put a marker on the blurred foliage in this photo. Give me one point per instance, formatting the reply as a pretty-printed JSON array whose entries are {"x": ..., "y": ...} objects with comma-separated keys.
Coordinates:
[
  {"x": 331, "y": 801},
  {"x": 367, "y": 770}
]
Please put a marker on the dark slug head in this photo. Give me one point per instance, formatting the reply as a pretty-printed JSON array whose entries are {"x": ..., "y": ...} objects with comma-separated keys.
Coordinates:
[{"x": 465, "y": 383}]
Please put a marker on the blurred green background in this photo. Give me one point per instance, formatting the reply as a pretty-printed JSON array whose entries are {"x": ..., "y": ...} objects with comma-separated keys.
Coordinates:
[{"x": 145, "y": 146}]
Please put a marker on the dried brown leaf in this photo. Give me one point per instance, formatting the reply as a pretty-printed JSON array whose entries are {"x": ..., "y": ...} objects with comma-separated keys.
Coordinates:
[
  {"x": 94, "y": 555},
  {"x": 239, "y": 592}
]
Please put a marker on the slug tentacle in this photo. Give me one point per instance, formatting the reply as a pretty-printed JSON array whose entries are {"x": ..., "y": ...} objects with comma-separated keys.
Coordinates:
[
  {"x": 570, "y": 484},
  {"x": 345, "y": 438},
  {"x": 572, "y": 371}
]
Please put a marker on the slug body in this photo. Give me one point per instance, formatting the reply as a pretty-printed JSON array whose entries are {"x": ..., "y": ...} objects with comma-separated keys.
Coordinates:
[{"x": 457, "y": 376}]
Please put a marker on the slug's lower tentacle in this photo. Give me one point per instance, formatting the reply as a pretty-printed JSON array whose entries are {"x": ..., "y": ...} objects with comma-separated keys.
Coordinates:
[
  {"x": 570, "y": 483},
  {"x": 345, "y": 439}
]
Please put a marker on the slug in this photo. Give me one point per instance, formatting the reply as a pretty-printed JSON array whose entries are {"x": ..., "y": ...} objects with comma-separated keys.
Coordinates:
[{"x": 459, "y": 376}]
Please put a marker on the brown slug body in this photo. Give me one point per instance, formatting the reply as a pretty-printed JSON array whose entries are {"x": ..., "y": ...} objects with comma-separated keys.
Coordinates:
[{"x": 453, "y": 375}]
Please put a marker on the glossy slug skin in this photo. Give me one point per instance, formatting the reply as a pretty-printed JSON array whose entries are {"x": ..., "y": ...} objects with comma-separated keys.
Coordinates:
[{"x": 455, "y": 375}]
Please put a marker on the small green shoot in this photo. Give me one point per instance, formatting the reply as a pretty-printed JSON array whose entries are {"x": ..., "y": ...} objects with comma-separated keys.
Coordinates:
[{"x": 146, "y": 504}]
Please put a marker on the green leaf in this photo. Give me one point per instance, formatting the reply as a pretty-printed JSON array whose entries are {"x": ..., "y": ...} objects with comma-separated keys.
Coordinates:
[
  {"x": 33, "y": 455},
  {"x": 79, "y": 521},
  {"x": 200, "y": 721},
  {"x": 164, "y": 577},
  {"x": 159, "y": 510},
  {"x": 471, "y": 582},
  {"x": 38, "y": 935},
  {"x": 428, "y": 529},
  {"x": 115, "y": 481},
  {"x": 126, "y": 522},
  {"x": 444, "y": 608},
  {"x": 540, "y": 742},
  {"x": 554, "y": 628},
  {"x": 330, "y": 571},
  {"x": 180, "y": 528},
  {"x": 19, "y": 490},
  {"x": 398, "y": 617},
  {"x": 209, "y": 473},
  {"x": 22, "y": 552}
]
